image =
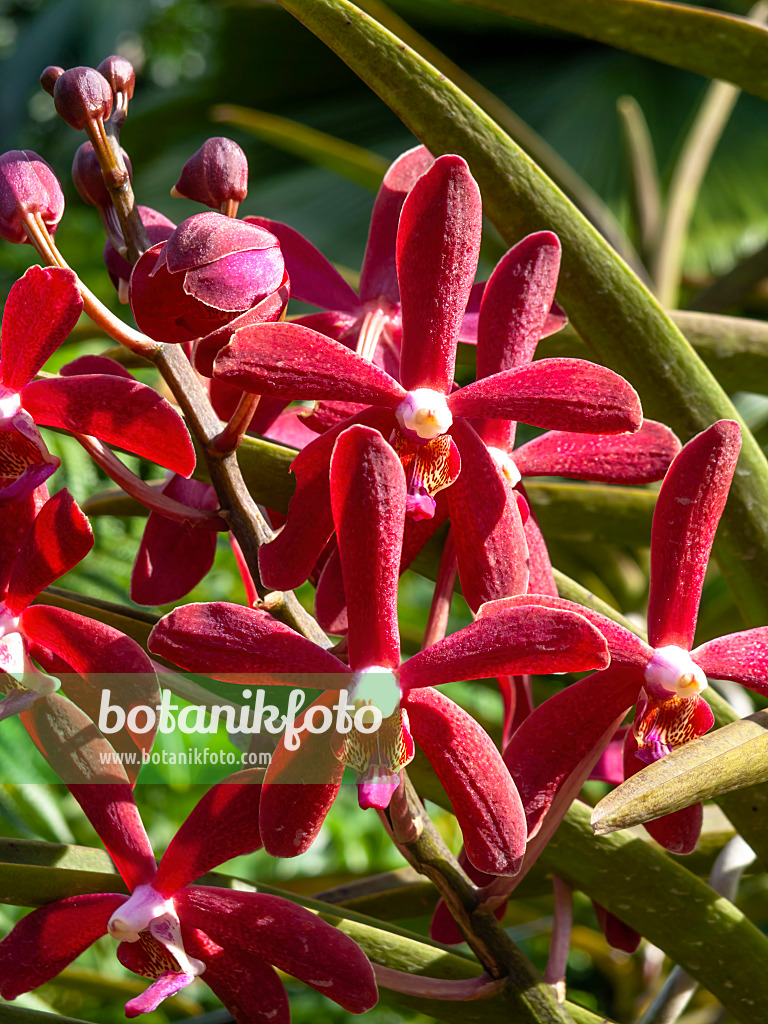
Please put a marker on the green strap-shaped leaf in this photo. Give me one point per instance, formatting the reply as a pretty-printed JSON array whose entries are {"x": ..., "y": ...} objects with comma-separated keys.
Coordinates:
[
  {"x": 729, "y": 758},
  {"x": 708, "y": 42},
  {"x": 353, "y": 162},
  {"x": 655, "y": 894},
  {"x": 608, "y": 305}
]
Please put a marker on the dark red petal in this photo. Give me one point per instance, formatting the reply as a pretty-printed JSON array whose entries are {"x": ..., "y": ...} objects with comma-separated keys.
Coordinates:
[
  {"x": 516, "y": 302},
  {"x": 224, "y": 824},
  {"x": 637, "y": 458},
  {"x": 237, "y": 644},
  {"x": 313, "y": 279},
  {"x": 379, "y": 274},
  {"x": 94, "y": 364},
  {"x": 368, "y": 502},
  {"x": 562, "y": 394},
  {"x": 59, "y": 538},
  {"x": 491, "y": 550},
  {"x": 438, "y": 242},
  {"x": 688, "y": 509},
  {"x": 482, "y": 793},
  {"x": 541, "y": 579},
  {"x": 555, "y": 748},
  {"x": 286, "y": 935},
  {"x": 677, "y": 832},
  {"x": 250, "y": 989},
  {"x": 46, "y": 941},
  {"x": 617, "y": 934},
  {"x": 172, "y": 559},
  {"x": 624, "y": 646},
  {"x": 289, "y": 559},
  {"x": 209, "y": 237},
  {"x": 121, "y": 412},
  {"x": 516, "y": 641},
  {"x": 16, "y": 519},
  {"x": 299, "y": 788},
  {"x": 41, "y": 309},
  {"x": 742, "y": 657},
  {"x": 287, "y": 360}
]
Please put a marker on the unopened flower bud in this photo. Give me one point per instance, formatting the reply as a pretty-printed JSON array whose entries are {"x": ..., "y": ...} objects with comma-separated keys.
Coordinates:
[
  {"x": 215, "y": 175},
  {"x": 82, "y": 97},
  {"x": 50, "y": 76},
  {"x": 28, "y": 186},
  {"x": 158, "y": 228},
  {"x": 88, "y": 179},
  {"x": 121, "y": 77}
]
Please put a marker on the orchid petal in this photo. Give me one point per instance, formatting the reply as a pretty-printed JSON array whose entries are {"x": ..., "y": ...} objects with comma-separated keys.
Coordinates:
[
  {"x": 638, "y": 458},
  {"x": 688, "y": 510},
  {"x": 438, "y": 243},
  {"x": 314, "y": 279},
  {"x": 251, "y": 990},
  {"x": 286, "y": 935},
  {"x": 60, "y": 537},
  {"x": 287, "y": 360},
  {"x": 224, "y": 824},
  {"x": 15, "y": 522},
  {"x": 470, "y": 769},
  {"x": 562, "y": 394},
  {"x": 94, "y": 364},
  {"x": 46, "y": 941},
  {"x": 541, "y": 579},
  {"x": 289, "y": 559},
  {"x": 172, "y": 559},
  {"x": 742, "y": 657},
  {"x": 101, "y": 654},
  {"x": 118, "y": 411},
  {"x": 554, "y": 750},
  {"x": 379, "y": 274},
  {"x": 237, "y": 644},
  {"x": 516, "y": 640},
  {"x": 516, "y": 302},
  {"x": 368, "y": 502},
  {"x": 41, "y": 309},
  {"x": 491, "y": 550},
  {"x": 617, "y": 934},
  {"x": 624, "y": 646},
  {"x": 299, "y": 788}
]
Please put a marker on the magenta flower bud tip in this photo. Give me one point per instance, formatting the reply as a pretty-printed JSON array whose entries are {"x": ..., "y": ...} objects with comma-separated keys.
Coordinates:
[
  {"x": 216, "y": 174},
  {"x": 50, "y": 76},
  {"x": 88, "y": 179},
  {"x": 27, "y": 186},
  {"x": 82, "y": 96},
  {"x": 119, "y": 74}
]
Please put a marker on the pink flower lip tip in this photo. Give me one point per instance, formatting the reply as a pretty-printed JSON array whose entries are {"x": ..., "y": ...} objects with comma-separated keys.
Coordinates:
[{"x": 376, "y": 786}]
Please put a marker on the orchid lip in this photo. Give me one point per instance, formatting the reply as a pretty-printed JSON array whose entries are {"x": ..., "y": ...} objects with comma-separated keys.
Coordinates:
[
  {"x": 673, "y": 671},
  {"x": 424, "y": 413},
  {"x": 146, "y": 910},
  {"x": 8, "y": 623},
  {"x": 506, "y": 464}
]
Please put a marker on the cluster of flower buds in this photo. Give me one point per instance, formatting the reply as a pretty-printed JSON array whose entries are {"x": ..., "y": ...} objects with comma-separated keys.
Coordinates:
[{"x": 391, "y": 451}]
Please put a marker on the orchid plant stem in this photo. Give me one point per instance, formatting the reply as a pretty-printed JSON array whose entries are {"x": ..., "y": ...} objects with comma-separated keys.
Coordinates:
[
  {"x": 531, "y": 999},
  {"x": 561, "y": 937},
  {"x": 437, "y": 622},
  {"x": 237, "y": 506}
]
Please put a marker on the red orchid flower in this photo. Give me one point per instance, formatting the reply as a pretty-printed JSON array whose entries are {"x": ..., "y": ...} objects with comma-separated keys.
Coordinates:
[
  {"x": 437, "y": 246},
  {"x": 172, "y": 932},
  {"x": 556, "y": 747},
  {"x": 42, "y": 308},
  {"x": 236, "y": 644},
  {"x": 41, "y": 538}
]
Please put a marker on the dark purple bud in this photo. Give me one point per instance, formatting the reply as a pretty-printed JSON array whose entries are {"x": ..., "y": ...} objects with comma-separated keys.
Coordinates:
[
  {"x": 215, "y": 175},
  {"x": 27, "y": 186},
  {"x": 88, "y": 179},
  {"x": 82, "y": 96},
  {"x": 120, "y": 74},
  {"x": 50, "y": 76}
]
